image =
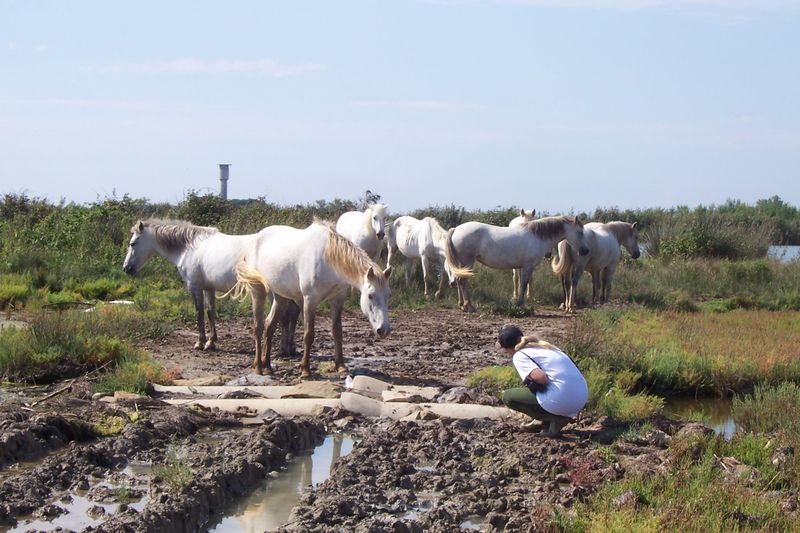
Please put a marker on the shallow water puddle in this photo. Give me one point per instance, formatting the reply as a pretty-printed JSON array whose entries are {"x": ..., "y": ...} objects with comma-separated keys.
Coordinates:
[
  {"x": 715, "y": 412},
  {"x": 473, "y": 522},
  {"x": 271, "y": 504},
  {"x": 76, "y": 517}
]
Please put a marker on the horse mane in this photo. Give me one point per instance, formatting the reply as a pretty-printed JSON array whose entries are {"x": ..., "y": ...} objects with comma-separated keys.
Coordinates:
[
  {"x": 176, "y": 235},
  {"x": 348, "y": 259},
  {"x": 621, "y": 230},
  {"x": 548, "y": 227},
  {"x": 439, "y": 233}
]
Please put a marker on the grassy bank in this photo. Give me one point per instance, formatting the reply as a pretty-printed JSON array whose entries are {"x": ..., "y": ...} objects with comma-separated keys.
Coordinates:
[
  {"x": 704, "y": 490},
  {"x": 60, "y": 345},
  {"x": 692, "y": 353}
]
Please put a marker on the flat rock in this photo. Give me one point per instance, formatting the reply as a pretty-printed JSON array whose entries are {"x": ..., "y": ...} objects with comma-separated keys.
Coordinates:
[
  {"x": 203, "y": 381},
  {"x": 314, "y": 389}
]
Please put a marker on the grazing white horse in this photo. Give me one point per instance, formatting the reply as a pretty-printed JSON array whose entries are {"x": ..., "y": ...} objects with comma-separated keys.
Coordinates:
[
  {"x": 309, "y": 266},
  {"x": 516, "y": 274},
  {"x": 205, "y": 258},
  {"x": 365, "y": 228},
  {"x": 423, "y": 239},
  {"x": 501, "y": 247},
  {"x": 604, "y": 242}
]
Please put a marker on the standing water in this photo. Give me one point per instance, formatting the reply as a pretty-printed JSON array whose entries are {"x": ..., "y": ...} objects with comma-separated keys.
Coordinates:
[
  {"x": 713, "y": 412},
  {"x": 784, "y": 254},
  {"x": 269, "y": 506}
]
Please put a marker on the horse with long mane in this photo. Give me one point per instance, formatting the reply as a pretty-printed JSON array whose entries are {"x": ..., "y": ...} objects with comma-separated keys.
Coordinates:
[
  {"x": 206, "y": 260},
  {"x": 516, "y": 274},
  {"x": 365, "y": 228},
  {"x": 423, "y": 239},
  {"x": 604, "y": 242},
  {"x": 309, "y": 266},
  {"x": 503, "y": 247}
]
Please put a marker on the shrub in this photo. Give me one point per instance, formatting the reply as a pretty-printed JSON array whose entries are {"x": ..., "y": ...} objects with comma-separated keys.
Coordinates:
[{"x": 494, "y": 380}]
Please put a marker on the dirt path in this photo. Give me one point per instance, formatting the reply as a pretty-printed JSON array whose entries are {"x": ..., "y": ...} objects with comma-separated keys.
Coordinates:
[{"x": 431, "y": 346}]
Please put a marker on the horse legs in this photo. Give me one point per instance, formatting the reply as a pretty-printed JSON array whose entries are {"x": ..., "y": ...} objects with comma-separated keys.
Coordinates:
[
  {"x": 464, "y": 301},
  {"x": 211, "y": 305},
  {"x": 575, "y": 277},
  {"x": 524, "y": 283},
  {"x": 426, "y": 265},
  {"x": 408, "y": 267},
  {"x": 336, "y": 330},
  {"x": 309, "y": 314},
  {"x": 515, "y": 279},
  {"x": 258, "y": 296},
  {"x": 442, "y": 281},
  {"x": 276, "y": 312},
  {"x": 288, "y": 328},
  {"x": 605, "y": 293},
  {"x": 197, "y": 298},
  {"x": 595, "y": 287}
]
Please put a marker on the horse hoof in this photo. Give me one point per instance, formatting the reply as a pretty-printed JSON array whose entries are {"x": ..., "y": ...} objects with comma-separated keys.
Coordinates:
[
  {"x": 437, "y": 295},
  {"x": 210, "y": 346},
  {"x": 341, "y": 369},
  {"x": 198, "y": 345}
]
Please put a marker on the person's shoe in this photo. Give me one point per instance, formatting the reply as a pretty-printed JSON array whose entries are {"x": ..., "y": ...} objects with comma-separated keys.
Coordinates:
[
  {"x": 532, "y": 425},
  {"x": 554, "y": 426}
]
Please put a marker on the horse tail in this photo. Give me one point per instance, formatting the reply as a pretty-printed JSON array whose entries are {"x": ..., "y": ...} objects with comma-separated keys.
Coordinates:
[
  {"x": 450, "y": 254},
  {"x": 565, "y": 259},
  {"x": 247, "y": 279}
]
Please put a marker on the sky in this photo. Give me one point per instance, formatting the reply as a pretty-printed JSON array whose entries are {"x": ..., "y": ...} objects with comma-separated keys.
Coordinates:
[{"x": 558, "y": 105}]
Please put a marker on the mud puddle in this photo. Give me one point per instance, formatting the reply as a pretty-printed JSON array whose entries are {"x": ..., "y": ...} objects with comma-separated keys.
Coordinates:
[
  {"x": 713, "y": 412},
  {"x": 269, "y": 506}
]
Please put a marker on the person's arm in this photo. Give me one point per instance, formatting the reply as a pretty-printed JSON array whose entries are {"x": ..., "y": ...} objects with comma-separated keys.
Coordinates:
[{"x": 538, "y": 376}]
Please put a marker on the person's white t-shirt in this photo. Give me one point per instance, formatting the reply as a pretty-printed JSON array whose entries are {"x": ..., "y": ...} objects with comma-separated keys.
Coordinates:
[{"x": 566, "y": 392}]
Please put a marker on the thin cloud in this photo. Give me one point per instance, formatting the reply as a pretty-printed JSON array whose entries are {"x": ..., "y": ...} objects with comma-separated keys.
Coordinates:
[
  {"x": 263, "y": 67},
  {"x": 86, "y": 103},
  {"x": 425, "y": 105}
]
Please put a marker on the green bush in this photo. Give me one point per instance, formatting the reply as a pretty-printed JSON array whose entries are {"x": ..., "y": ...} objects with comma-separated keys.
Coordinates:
[{"x": 494, "y": 380}]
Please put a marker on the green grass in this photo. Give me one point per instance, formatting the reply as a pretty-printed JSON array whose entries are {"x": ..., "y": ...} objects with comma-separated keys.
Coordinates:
[{"x": 698, "y": 493}]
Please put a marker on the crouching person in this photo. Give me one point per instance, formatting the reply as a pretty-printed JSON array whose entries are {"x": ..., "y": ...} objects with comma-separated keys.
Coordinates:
[{"x": 554, "y": 389}]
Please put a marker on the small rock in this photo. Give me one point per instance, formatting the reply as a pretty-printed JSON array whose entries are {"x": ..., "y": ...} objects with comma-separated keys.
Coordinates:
[
  {"x": 48, "y": 512},
  {"x": 96, "y": 511},
  {"x": 250, "y": 379},
  {"x": 626, "y": 499}
]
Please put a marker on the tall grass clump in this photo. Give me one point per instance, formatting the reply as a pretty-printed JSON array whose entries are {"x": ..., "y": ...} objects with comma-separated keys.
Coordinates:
[{"x": 65, "y": 344}]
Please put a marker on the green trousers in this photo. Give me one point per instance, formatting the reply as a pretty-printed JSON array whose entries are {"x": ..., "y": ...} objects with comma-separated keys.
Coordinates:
[{"x": 523, "y": 400}]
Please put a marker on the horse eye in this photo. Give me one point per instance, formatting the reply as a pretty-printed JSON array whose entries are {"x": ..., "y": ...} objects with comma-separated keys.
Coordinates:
[{"x": 369, "y": 296}]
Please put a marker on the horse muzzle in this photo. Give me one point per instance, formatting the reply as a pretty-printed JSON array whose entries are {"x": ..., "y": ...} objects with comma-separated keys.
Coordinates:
[
  {"x": 129, "y": 269},
  {"x": 380, "y": 235},
  {"x": 636, "y": 255},
  {"x": 383, "y": 331}
]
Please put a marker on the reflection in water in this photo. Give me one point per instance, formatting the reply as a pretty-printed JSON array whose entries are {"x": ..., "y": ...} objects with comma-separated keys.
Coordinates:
[
  {"x": 269, "y": 506},
  {"x": 715, "y": 412}
]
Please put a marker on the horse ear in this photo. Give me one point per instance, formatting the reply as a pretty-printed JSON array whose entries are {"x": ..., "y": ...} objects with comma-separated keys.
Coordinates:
[
  {"x": 140, "y": 226},
  {"x": 575, "y": 220},
  {"x": 533, "y": 213},
  {"x": 387, "y": 271},
  {"x": 635, "y": 225},
  {"x": 371, "y": 274},
  {"x": 521, "y": 212}
]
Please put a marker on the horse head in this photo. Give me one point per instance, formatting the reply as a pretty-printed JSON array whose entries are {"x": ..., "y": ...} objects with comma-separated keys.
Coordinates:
[
  {"x": 140, "y": 249},
  {"x": 631, "y": 241},
  {"x": 527, "y": 217},
  {"x": 378, "y": 220},
  {"x": 375, "y": 299},
  {"x": 573, "y": 232}
]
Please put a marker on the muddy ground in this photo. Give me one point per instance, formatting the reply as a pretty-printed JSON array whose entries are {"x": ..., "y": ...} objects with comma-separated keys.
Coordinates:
[{"x": 141, "y": 465}]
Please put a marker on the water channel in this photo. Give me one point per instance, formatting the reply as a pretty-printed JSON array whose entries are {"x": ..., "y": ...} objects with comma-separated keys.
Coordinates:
[{"x": 269, "y": 506}]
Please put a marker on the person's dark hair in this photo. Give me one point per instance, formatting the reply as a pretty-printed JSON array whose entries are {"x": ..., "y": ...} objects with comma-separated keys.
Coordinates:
[{"x": 509, "y": 336}]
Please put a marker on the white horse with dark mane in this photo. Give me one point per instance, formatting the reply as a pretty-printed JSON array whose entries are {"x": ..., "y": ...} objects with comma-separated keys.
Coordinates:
[
  {"x": 503, "y": 247},
  {"x": 420, "y": 239},
  {"x": 206, "y": 260},
  {"x": 516, "y": 275},
  {"x": 604, "y": 242},
  {"x": 365, "y": 228},
  {"x": 310, "y": 266}
]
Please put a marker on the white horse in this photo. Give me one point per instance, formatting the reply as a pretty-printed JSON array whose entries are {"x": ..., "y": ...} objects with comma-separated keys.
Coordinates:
[
  {"x": 365, "y": 228},
  {"x": 501, "y": 247},
  {"x": 516, "y": 274},
  {"x": 423, "y": 239},
  {"x": 310, "y": 266},
  {"x": 604, "y": 242},
  {"x": 205, "y": 258}
]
